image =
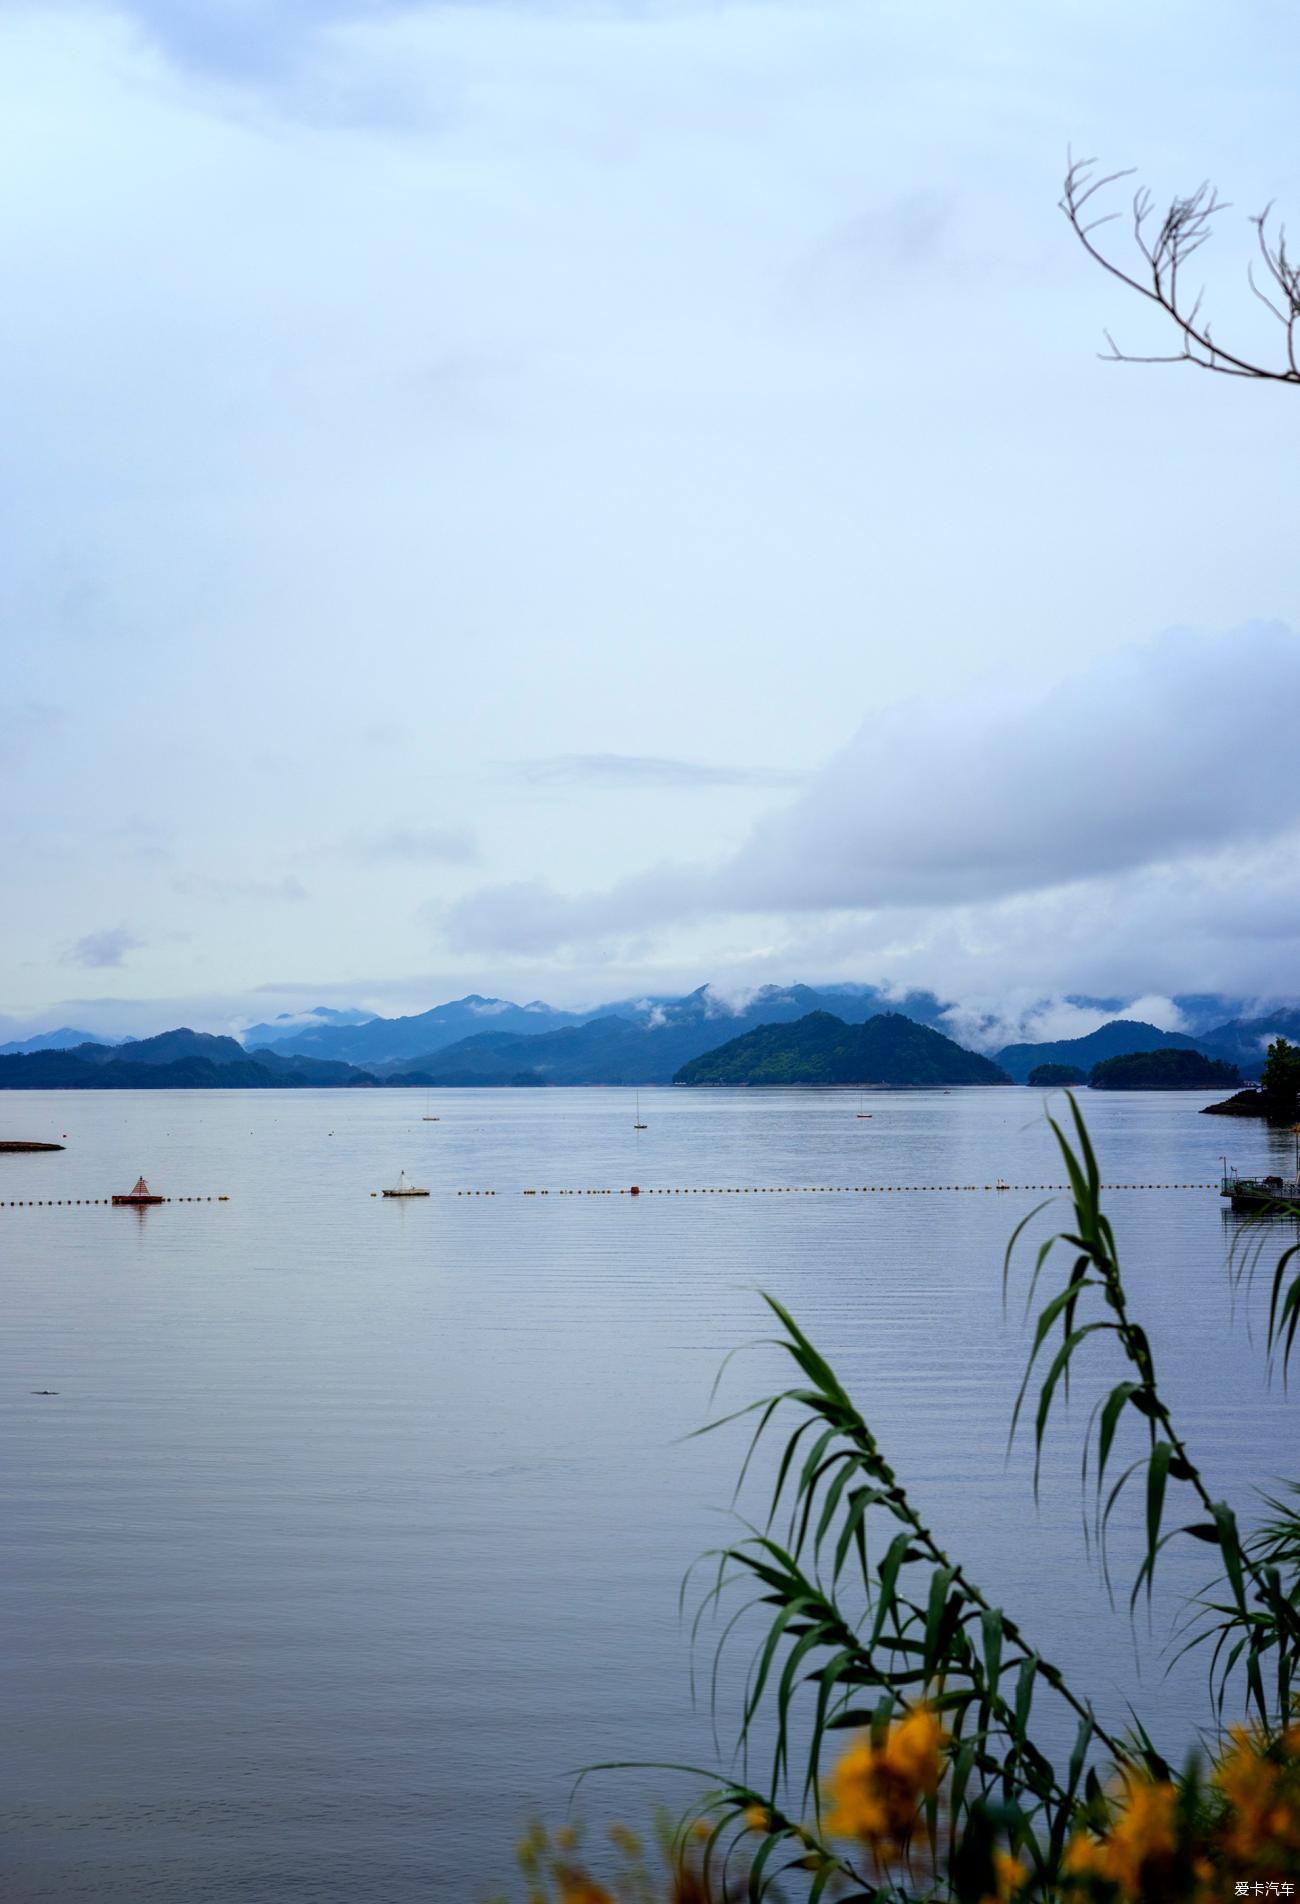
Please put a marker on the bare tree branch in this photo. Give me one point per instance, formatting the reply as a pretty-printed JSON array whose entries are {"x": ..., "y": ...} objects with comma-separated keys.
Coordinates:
[{"x": 1164, "y": 244}]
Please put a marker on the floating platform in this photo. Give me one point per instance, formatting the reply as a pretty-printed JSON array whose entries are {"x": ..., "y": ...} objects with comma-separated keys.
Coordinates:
[
  {"x": 140, "y": 1194},
  {"x": 402, "y": 1188},
  {"x": 1262, "y": 1194},
  {"x": 25, "y": 1143}
]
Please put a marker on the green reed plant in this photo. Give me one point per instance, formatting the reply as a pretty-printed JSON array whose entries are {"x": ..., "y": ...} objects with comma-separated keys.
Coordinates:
[{"x": 901, "y": 1709}]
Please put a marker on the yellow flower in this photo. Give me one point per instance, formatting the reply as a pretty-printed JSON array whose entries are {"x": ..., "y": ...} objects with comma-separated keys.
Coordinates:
[
  {"x": 1261, "y": 1781},
  {"x": 531, "y": 1846},
  {"x": 1143, "y": 1833},
  {"x": 912, "y": 1748},
  {"x": 1085, "y": 1857},
  {"x": 701, "y": 1829},
  {"x": 627, "y": 1841},
  {"x": 756, "y": 1818},
  {"x": 876, "y": 1791},
  {"x": 1011, "y": 1875},
  {"x": 577, "y": 1888},
  {"x": 566, "y": 1837},
  {"x": 1139, "y": 1843}
]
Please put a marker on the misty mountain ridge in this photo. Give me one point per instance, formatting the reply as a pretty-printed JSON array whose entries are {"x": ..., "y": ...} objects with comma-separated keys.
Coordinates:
[
  {"x": 61, "y": 1040},
  {"x": 644, "y": 1044},
  {"x": 411, "y": 1041},
  {"x": 822, "y": 1049},
  {"x": 377, "y": 1040},
  {"x": 173, "y": 1060},
  {"x": 1245, "y": 1041},
  {"x": 1119, "y": 1039},
  {"x": 289, "y": 1024},
  {"x": 644, "y": 1040}
]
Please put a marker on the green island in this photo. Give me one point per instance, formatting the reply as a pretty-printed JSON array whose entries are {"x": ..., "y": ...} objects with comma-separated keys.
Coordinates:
[
  {"x": 1052, "y": 1074},
  {"x": 1167, "y": 1070},
  {"x": 1278, "y": 1097},
  {"x": 822, "y": 1049}
]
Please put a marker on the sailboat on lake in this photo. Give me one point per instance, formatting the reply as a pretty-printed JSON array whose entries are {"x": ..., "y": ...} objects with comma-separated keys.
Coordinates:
[{"x": 639, "y": 1125}]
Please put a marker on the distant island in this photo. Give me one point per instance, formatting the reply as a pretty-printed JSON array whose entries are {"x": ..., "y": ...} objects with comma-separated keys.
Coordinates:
[
  {"x": 1167, "y": 1070},
  {"x": 822, "y": 1049},
  {"x": 1057, "y": 1074}
]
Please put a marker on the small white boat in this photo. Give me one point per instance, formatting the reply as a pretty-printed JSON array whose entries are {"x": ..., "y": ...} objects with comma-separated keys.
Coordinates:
[
  {"x": 639, "y": 1125},
  {"x": 405, "y": 1188}
]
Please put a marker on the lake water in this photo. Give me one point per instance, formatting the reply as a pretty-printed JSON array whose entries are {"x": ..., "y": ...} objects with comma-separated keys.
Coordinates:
[{"x": 355, "y": 1525}]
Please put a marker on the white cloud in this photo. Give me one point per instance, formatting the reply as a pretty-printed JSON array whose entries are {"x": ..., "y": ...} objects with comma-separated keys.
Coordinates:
[
  {"x": 641, "y": 771},
  {"x": 991, "y": 797},
  {"x": 1020, "y": 1018},
  {"x": 280, "y": 889},
  {"x": 104, "y": 949},
  {"x": 414, "y": 846}
]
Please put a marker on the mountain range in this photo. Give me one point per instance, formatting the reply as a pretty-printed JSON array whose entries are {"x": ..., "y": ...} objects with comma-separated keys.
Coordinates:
[
  {"x": 478, "y": 1040},
  {"x": 491, "y": 1041},
  {"x": 61, "y": 1040},
  {"x": 174, "y": 1060},
  {"x": 691, "y": 1025}
]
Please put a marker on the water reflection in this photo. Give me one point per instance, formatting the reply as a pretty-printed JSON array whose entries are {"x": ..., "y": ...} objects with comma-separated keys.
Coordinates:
[{"x": 351, "y": 1535}]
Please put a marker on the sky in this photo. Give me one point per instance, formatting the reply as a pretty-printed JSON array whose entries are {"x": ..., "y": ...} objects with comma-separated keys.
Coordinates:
[{"x": 579, "y": 499}]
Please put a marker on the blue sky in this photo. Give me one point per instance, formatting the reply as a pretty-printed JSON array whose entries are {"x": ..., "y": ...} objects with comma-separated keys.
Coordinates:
[{"x": 572, "y": 499}]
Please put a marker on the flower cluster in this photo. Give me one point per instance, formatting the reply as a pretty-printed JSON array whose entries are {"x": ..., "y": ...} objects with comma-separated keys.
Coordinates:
[
  {"x": 1161, "y": 1841},
  {"x": 1260, "y": 1778},
  {"x": 1135, "y": 1856},
  {"x": 877, "y": 1789},
  {"x": 557, "y": 1873}
]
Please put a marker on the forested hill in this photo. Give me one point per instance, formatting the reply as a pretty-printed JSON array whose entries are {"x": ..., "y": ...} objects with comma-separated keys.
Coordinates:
[
  {"x": 1115, "y": 1040},
  {"x": 822, "y": 1049},
  {"x": 1163, "y": 1071},
  {"x": 180, "y": 1060}
]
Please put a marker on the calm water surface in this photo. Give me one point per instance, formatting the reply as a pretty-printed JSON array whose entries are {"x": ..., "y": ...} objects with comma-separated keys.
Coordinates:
[{"x": 354, "y": 1525}]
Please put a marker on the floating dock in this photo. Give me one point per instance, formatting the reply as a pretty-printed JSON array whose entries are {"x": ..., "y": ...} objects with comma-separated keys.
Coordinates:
[
  {"x": 404, "y": 1188},
  {"x": 140, "y": 1194},
  {"x": 1262, "y": 1194}
]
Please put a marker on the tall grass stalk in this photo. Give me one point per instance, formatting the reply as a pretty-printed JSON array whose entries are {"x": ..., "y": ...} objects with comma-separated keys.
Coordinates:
[{"x": 865, "y": 1618}]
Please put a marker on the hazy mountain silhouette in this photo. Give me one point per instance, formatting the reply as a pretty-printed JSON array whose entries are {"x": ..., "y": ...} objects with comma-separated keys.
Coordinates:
[{"x": 1115, "y": 1040}]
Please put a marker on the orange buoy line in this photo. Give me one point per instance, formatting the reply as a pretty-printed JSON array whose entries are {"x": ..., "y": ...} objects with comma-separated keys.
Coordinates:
[{"x": 824, "y": 1189}]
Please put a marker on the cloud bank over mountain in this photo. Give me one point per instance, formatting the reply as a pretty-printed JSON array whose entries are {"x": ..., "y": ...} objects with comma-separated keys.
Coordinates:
[{"x": 1145, "y": 795}]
